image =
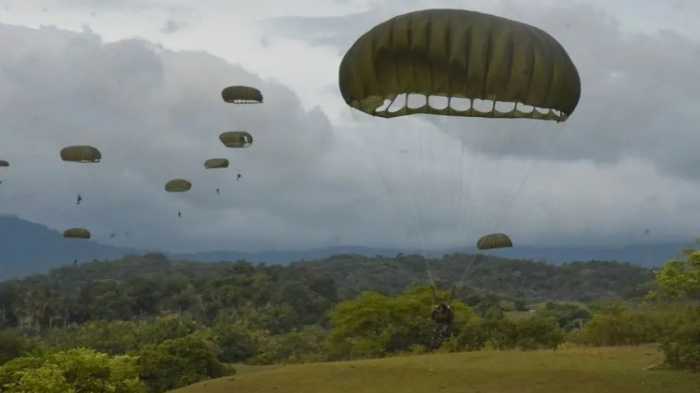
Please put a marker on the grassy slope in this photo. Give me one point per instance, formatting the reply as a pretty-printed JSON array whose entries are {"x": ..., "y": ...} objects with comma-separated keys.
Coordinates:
[{"x": 576, "y": 370}]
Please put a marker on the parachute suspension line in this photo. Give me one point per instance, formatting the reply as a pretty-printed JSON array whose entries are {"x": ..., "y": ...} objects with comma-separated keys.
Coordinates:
[
  {"x": 378, "y": 169},
  {"x": 528, "y": 172},
  {"x": 464, "y": 211},
  {"x": 396, "y": 209},
  {"x": 416, "y": 209},
  {"x": 467, "y": 269},
  {"x": 420, "y": 211}
]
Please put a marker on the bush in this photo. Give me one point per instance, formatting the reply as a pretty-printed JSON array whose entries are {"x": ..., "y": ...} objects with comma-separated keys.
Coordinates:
[
  {"x": 500, "y": 333},
  {"x": 179, "y": 362},
  {"x": 568, "y": 316},
  {"x": 538, "y": 333},
  {"x": 682, "y": 347},
  {"x": 294, "y": 347},
  {"x": 472, "y": 336},
  {"x": 76, "y": 370},
  {"x": 503, "y": 334},
  {"x": 622, "y": 327}
]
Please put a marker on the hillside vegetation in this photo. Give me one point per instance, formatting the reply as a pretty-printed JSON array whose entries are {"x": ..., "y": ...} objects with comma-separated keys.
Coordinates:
[
  {"x": 507, "y": 277},
  {"x": 151, "y": 285}
]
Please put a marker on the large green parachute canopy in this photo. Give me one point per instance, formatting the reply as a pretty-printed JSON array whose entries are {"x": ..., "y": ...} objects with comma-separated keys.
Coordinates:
[
  {"x": 242, "y": 95},
  {"x": 178, "y": 185},
  {"x": 462, "y": 56},
  {"x": 216, "y": 163},
  {"x": 84, "y": 154},
  {"x": 4, "y": 164},
  {"x": 76, "y": 233},
  {"x": 236, "y": 139},
  {"x": 494, "y": 240}
]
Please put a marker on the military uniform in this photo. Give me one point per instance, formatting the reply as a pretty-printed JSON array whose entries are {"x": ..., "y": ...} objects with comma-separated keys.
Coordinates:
[{"x": 443, "y": 316}]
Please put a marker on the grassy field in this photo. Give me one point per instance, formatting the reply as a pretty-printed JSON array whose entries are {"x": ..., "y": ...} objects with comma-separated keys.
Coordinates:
[{"x": 573, "y": 370}]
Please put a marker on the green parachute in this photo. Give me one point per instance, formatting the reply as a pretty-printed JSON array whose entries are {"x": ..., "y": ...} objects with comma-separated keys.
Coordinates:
[
  {"x": 81, "y": 154},
  {"x": 494, "y": 240},
  {"x": 242, "y": 95},
  {"x": 216, "y": 163},
  {"x": 460, "y": 54},
  {"x": 178, "y": 185},
  {"x": 236, "y": 139},
  {"x": 76, "y": 233}
]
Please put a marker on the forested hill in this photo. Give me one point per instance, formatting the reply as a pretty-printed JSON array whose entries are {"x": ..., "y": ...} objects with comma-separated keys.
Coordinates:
[
  {"x": 507, "y": 277},
  {"x": 138, "y": 287},
  {"x": 29, "y": 248}
]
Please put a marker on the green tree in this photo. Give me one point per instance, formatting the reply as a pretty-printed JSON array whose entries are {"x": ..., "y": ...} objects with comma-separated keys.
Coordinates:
[
  {"x": 375, "y": 325},
  {"x": 13, "y": 345},
  {"x": 166, "y": 328},
  {"x": 76, "y": 370},
  {"x": 681, "y": 278},
  {"x": 237, "y": 340},
  {"x": 179, "y": 362}
]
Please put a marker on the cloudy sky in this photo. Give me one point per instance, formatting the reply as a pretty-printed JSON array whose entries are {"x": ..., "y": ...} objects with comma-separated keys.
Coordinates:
[{"x": 141, "y": 80}]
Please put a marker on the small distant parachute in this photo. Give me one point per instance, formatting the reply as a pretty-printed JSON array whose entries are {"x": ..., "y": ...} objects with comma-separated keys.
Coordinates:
[
  {"x": 457, "y": 57},
  {"x": 82, "y": 154},
  {"x": 216, "y": 163},
  {"x": 494, "y": 240},
  {"x": 242, "y": 95},
  {"x": 4, "y": 164},
  {"x": 236, "y": 139},
  {"x": 178, "y": 185},
  {"x": 76, "y": 233}
]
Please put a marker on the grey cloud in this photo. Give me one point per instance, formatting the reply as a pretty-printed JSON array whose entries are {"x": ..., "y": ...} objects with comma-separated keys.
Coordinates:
[
  {"x": 156, "y": 114},
  {"x": 639, "y": 98},
  {"x": 170, "y": 26}
]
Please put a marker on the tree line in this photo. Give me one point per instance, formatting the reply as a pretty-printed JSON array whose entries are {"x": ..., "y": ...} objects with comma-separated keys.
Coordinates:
[{"x": 148, "y": 324}]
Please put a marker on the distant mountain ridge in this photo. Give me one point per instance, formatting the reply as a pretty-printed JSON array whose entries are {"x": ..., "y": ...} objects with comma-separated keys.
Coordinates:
[
  {"x": 648, "y": 255},
  {"x": 28, "y": 248}
]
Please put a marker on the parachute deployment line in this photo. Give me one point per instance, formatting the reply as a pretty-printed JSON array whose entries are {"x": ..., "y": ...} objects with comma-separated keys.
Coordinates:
[{"x": 467, "y": 268}]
